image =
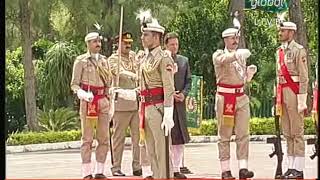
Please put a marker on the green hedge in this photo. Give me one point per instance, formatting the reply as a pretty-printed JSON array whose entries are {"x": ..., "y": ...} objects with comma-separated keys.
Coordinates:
[
  {"x": 258, "y": 126},
  {"x": 43, "y": 137}
]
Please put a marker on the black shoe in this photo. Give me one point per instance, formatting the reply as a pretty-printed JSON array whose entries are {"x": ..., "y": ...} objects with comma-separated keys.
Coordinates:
[
  {"x": 288, "y": 172},
  {"x": 88, "y": 177},
  {"x": 118, "y": 173},
  {"x": 137, "y": 172},
  {"x": 293, "y": 174},
  {"x": 185, "y": 170},
  {"x": 227, "y": 175},
  {"x": 100, "y": 176},
  {"x": 245, "y": 173},
  {"x": 178, "y": 175},
  {"x": 148, "y": 178}
]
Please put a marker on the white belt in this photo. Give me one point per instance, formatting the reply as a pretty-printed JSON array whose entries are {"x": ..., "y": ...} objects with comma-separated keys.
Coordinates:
[
  {"x": 229, "y": 90},
  {"x": 294, "y": 78}
]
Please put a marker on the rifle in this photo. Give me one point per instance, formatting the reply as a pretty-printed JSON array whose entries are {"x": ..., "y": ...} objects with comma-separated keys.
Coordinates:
[
  {"x": 276, "y": 141},
  {"x": 314, "y": 141},
  {"x": 315, "y": 120}
]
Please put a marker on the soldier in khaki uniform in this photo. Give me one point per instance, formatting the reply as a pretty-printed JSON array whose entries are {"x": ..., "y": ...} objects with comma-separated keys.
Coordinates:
[
  {"x": 126, "y": 108},
  {"x": 292, "y": 85},
  {"x": 232, "y": 105},
  {"x": 91, "y": 79},
  {"x": 144, "y": 157},
  {"x": 157, "y": 89}
]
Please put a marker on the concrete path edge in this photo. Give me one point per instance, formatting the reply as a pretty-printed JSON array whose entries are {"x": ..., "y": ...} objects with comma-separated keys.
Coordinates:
[{"x": 77, "y": 144}]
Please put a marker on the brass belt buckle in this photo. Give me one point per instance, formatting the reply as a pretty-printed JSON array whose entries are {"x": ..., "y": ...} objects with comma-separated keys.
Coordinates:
[{"x": 142, "y": 99}]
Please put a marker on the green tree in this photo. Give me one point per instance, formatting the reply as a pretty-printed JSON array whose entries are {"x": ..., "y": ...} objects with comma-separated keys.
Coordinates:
[
  {"x": 29, "y": 77},
  {"x": 199, "y": 27},
  {"x": 14, "y": 99},
  {"x": 55, "y": 75}
]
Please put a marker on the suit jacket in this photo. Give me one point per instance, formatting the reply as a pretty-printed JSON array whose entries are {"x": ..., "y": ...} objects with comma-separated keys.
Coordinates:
[{"x": 182, "y": 82}]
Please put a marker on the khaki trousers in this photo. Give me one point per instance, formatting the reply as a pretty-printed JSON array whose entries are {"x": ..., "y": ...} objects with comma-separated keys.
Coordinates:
[
  {"x": 155, "y": 141},
  {"x": 102, "y": 132},
  {"x": 241, "y": 128},
  {"x": 292, "y": 124},
  {"x": 121, "y": 121},
  {"x": 144, "y": 156}
]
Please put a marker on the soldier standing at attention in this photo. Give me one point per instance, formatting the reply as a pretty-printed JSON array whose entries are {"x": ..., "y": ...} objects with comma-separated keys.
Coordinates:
[
  {"x": 157, "y": 90},
  {"x": 292, "y": 85},
  {"x": 126, "y": 106},
  {"x": 91, "y": 79}
]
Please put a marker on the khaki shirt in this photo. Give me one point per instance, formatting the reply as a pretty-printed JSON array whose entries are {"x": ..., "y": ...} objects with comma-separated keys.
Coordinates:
[
  {"x": 84, "y": 72},
  {"x": 228, "y": 69},
  {"x": 126, "y": 64},
  {"x": 296, "y": 62},
  {"x": 157, "y": 71}
]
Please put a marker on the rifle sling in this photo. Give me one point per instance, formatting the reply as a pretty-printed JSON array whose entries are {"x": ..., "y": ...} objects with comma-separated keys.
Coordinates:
[{"x": 100, "y": 76}]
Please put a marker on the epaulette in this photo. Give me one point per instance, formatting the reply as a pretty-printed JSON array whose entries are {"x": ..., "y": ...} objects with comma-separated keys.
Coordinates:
[
  {"x": 113, "y": 56},
  {"x": 299, "y": 46},
  {"x": 164, "y": 54},
  {"x": 219, "y": 51},
  {"x": 82, "y": 57}
]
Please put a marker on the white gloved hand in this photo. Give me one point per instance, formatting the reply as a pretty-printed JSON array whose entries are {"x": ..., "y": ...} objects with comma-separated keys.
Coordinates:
[
  {"x": 83, "y": 95},
  {"x": 243, "y": 53},
  {"x": 127, "y": 94},
  {"x": 167, "y": 122},
  {"x": 251, "y": 70},
  {"x": 302, "y": 102},
  {"x": 89, "y": 97}
]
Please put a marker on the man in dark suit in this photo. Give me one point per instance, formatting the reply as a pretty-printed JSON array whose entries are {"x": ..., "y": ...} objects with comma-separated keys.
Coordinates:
[{"x": 182, "y": 83}]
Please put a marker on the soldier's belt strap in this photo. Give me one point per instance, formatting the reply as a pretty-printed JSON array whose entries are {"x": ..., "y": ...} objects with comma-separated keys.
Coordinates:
[
  {"x": 230, "y": 89},
  {"x": 151, "y": 99},
  {"x": 152, "y": 96},
  {"x": 282, "y": 80}
]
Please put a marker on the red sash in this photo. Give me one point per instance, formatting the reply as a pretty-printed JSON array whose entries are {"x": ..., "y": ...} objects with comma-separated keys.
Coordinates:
[
  {"x": 294, "y": 86},
  {"x": 93, "y": 107},
  {"x": 229, "y": 104},
  {"x": 143, "y": 104}
]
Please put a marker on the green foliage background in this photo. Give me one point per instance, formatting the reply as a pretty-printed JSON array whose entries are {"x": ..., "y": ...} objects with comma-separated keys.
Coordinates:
[{"x": 59, "y": 27}]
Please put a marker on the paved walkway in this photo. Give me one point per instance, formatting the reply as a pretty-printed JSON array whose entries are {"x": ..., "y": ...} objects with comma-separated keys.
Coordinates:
[{"x": 200, "y": 158}]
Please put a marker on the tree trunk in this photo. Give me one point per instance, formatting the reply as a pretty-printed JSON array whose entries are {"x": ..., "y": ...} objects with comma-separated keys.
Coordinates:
[
  {"x": 107, "y": 45},
  {"x": 29, "y": 77},
  {"x": 296, "y": 16},
  {"x": 238, "y": 5}
]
